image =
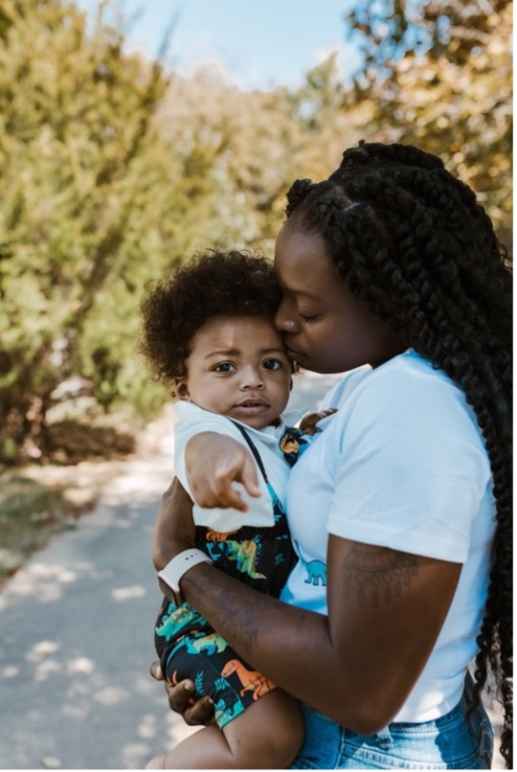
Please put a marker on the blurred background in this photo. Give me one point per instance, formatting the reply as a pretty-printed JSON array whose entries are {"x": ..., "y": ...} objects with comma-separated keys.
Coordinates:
[{"x": 134, "y": 134}]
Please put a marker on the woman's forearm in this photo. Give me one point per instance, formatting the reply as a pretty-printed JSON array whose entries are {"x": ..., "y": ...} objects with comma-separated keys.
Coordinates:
[
  {"x": 359, "y": 663},
  {"x": 291, "y": 646}
]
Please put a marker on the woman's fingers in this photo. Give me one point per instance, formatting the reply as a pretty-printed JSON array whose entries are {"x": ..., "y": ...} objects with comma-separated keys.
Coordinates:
[
  {"x": 182, "y": 700},
  {"x": 156, "y": 670},
  {"x": 180, "y": 695},
  {"x": 201, "y": 712}
]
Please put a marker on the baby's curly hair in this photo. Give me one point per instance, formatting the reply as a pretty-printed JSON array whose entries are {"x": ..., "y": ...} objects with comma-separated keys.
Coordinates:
[{"x": 215, "y": 283}]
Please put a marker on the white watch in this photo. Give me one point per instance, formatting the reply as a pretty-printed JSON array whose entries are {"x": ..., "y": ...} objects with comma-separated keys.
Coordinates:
[{"x": 179, "y": 565}]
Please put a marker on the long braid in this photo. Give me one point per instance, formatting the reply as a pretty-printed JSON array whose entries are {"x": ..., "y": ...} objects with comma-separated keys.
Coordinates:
[{"x": 413, "y": 242}]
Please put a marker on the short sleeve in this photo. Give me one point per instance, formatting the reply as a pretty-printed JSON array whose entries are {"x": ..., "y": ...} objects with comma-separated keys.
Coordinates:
[
  {"x": 192, "y": 420},
  {"x": 411, "y": 469}
]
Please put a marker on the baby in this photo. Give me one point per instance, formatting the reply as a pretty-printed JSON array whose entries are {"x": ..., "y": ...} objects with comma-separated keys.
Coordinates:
[{"x": 210, "y": 332}]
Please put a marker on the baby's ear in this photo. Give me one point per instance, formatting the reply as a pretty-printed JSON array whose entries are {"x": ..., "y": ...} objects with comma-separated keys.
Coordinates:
[{"x": 182, "y": 390}]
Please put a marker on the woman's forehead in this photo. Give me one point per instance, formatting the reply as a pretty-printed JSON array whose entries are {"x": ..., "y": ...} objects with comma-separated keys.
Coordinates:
[{"x": 302, "y": 263}]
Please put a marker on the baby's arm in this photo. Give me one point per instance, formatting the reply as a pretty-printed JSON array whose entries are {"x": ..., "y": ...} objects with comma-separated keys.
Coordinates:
[{"x": 197, "y": 427}]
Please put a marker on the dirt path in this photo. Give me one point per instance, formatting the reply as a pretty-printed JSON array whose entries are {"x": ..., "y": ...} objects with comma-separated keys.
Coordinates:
[{"x": 76, "y": 639}]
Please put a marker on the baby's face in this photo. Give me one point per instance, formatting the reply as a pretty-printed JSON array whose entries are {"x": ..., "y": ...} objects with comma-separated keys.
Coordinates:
[{"x": 238, "y": 367}]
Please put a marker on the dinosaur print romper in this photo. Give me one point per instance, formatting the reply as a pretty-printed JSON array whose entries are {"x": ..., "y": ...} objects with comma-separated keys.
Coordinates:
[{"x": 189, "y": 647}]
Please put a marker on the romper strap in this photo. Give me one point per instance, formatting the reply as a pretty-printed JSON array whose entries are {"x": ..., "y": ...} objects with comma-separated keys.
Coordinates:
[{"x": 253, "y": 449}]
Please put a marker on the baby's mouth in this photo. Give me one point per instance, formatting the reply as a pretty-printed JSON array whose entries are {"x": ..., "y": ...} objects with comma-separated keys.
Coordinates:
[{"x": 250, "y": 405}]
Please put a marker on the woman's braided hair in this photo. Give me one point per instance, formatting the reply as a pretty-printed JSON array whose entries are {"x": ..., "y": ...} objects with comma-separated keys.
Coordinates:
[{"x": 413, "y": 242}]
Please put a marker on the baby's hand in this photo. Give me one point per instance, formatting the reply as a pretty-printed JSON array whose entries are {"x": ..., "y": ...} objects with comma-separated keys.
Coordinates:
[{"x": 214, "y": 463}]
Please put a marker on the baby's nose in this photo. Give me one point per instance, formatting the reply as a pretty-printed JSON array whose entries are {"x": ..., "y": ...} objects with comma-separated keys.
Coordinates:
[{"x": 252, "y": 379}]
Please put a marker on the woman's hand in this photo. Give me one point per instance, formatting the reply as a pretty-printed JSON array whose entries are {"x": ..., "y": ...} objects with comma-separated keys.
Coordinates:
[
  {"x": 214, "y": 462},
  {"x": 174, "y": 530},
  {"x": 182, "y": 699}
]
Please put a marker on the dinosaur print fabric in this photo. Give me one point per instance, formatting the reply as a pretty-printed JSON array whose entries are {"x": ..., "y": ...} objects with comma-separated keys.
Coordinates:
[{"x": 186, "y": 644}]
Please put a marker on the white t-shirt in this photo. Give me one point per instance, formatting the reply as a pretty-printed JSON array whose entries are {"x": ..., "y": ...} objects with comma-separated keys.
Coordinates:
[
  {"x": 401, "y": 465},
  {"x": 191, "y": 420}
]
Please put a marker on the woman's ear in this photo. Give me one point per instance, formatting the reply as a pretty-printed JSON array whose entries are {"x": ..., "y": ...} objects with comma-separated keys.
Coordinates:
[{"x": 182, "y": 390}]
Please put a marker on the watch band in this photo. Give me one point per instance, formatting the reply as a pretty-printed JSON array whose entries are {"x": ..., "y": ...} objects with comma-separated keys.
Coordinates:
[{"x": 179, "y": 565}]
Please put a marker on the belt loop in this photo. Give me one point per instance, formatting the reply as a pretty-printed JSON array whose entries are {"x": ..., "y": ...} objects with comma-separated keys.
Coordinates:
[{"x": 384, "y": 738}]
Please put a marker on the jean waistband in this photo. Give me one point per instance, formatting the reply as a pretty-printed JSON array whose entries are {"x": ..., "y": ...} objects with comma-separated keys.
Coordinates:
[{"x": 442, "y": 722}]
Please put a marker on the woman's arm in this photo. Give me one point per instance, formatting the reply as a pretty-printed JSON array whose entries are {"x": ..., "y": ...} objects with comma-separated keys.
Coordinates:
[
  {"x": 386, "y": 609},
  {"x": 357, "y": 665}
]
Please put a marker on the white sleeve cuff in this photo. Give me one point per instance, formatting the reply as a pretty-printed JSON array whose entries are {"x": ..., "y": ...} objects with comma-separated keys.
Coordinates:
[{"x": 439, "y": 546}]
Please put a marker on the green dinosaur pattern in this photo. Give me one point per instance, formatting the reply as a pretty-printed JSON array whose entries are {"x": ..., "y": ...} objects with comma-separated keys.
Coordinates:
[
  {"x": 210, "y": 644},
  {"x": 244, "y": 553},
  {"x": 225, "y": 714},
  {"x": 186, "y": 644},
  {"x": 178, "y": 618}
]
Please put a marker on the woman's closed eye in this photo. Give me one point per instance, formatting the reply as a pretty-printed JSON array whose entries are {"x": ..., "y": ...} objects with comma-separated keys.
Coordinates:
[{"x": 310, "y": 317}]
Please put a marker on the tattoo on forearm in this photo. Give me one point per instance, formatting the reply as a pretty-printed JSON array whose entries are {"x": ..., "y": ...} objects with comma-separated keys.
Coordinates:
[
  {"x": 229, "y": 609},
  {"x": 378, "y": 576}
]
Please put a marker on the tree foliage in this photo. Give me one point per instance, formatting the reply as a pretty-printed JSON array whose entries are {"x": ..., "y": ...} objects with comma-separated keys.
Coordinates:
[
  {"x": 114, "y": 171},
  {"x": 87, "y": 193},
  {"x": 438, "y": 74}
]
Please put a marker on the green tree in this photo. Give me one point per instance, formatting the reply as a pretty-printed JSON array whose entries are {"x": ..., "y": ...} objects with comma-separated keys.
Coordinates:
[
  {"x": 114, "y": 171},
  {"x": 438, "y": 74},
  {"x": 88, "y": 198}
]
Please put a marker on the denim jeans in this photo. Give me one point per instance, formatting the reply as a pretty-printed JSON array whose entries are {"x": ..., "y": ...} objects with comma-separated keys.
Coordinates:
[{"x": 462, "y": 739}]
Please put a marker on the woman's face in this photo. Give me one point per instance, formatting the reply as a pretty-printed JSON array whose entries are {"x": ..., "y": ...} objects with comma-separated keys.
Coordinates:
[{"x": 325, "y": 327}]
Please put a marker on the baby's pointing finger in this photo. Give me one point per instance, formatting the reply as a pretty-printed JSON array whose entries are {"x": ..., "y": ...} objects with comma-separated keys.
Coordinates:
[
  {"x": 249, "y": 478},
  {"x": 227, "y": 496}
]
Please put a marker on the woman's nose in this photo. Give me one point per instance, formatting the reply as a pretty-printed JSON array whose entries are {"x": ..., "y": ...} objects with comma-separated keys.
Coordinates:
[{"x": 284, "y": 321}]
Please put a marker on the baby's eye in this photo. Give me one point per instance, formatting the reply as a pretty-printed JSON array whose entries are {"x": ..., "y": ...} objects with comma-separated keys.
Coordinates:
[
  {"x": 224, "y": 367},
  {"x": 273, "y": 364}
]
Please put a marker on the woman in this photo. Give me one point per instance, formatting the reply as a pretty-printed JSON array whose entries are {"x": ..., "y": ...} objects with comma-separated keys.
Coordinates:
[{"x": 406, "y": 496}]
